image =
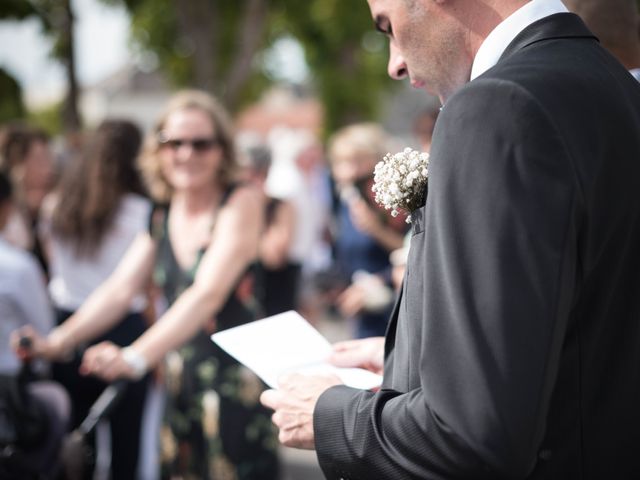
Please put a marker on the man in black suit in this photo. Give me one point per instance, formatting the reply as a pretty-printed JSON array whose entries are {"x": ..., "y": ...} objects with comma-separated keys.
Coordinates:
[{"x": 514, "y": 350}]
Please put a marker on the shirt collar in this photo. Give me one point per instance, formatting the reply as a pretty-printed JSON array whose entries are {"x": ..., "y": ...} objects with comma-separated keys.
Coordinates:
[
  {"x": 636, "y": 73},
  {"x": 499, "y": 39}
]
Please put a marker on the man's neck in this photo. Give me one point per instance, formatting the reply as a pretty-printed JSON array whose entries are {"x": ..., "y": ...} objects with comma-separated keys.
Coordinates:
[
  {"x": 514, "y": 20},
  {"x": 478, "y": 20}
]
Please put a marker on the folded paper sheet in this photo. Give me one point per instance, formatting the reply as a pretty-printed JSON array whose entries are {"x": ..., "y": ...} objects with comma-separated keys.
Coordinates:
[{"x": 287, "y": 343}]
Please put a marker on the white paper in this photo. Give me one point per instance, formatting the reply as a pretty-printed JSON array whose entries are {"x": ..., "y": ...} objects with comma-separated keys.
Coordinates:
[{"x": 287, "y": 343}]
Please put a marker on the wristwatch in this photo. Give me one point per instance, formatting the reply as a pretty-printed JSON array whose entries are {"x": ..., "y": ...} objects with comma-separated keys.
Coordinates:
[{"x": 136, "y": 361}]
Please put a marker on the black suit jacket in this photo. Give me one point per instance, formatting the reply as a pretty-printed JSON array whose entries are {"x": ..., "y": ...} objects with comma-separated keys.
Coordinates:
[{"x": 514, "y": 350}]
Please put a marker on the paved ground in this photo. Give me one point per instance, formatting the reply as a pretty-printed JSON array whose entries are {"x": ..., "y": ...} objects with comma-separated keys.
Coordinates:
[
  {"x": 303, "y": 464},
  {"x": 300, "y": 465}
]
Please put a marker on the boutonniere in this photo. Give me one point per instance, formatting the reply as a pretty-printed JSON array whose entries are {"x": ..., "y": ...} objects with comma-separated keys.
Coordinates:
[{"x": 400, "y": 180}]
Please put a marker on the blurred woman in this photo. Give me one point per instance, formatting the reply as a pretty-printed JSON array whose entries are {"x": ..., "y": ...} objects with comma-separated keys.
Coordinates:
[
  {"x": 366, "y": 233},
  {"x": 87, "y": 226},
  {"x": 279, "y": 274},
  {"x": 199, "y": 248},
  {"x": 26, "y": 157}
]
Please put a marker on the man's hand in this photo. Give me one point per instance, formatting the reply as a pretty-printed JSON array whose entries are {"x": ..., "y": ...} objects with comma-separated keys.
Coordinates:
[
  {"x": 367, "y": 353},
  {"x": 106, "y": 361},
  {"x": 293, "y": 404}
]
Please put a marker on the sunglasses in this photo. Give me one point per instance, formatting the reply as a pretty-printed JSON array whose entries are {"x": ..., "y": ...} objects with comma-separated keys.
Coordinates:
[{"x": 197, "y": 144}]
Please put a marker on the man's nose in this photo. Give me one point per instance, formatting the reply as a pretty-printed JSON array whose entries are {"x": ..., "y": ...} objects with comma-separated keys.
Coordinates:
[{"x": 397, "y": 67}]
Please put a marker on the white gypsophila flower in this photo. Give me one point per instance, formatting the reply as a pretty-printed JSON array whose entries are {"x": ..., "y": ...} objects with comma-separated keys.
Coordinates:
[{"x": 400, "y": 180}]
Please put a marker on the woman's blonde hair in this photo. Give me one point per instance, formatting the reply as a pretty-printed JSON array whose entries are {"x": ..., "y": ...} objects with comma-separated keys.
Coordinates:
[
  {"x": 364, "y": 138},
  {"x": 158, "y": 186}
]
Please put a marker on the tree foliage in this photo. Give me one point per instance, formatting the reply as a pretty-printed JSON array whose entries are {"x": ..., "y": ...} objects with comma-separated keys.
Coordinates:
[
  {"x": 56, "y": 18},
  {"x": 218, "y": 45},
  {"x": 347, "y": 58},
  {"x": 11, "y": 106}
]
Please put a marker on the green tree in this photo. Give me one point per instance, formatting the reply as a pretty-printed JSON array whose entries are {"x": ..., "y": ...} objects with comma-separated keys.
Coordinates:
[
  {"x": 56, "y": 18},
  {"x": 217, "y": 45},
  {"x": 346, "y": 56},
  {"x": 207, "y": 44},
  {"x": 11, "y": 106}
]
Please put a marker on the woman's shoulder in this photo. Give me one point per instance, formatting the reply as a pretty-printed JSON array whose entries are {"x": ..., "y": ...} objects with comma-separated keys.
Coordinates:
[
  {"x": 136, "y": 204},
  {"x": 243, "y": 195},
  {"x": 135, "y": 200},
  {"x": 134, "y": 211}
]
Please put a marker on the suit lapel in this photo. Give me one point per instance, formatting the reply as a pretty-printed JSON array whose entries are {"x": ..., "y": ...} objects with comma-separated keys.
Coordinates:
[
  {"x": 390, "y": 335},
  {"x": 559, "y": 25}
]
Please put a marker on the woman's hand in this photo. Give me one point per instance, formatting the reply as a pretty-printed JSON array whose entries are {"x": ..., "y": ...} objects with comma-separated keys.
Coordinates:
[
  {"x": 52, "y": 347},
  {"x": 106, "y": 361},
  {"x": 351, "y": 301},
  {"x": 364, "y": 217},
  {"x": 367, "y": 353}
]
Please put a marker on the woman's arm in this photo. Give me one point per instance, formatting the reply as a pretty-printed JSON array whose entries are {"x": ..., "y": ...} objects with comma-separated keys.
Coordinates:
[
  {"x": 276, "y": 240},
  {"x": 104, "y": 307},
  {"x": 234, "y": 244}
]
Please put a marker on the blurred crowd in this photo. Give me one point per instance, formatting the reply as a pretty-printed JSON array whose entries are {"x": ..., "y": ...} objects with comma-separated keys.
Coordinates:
[
  {"x": 120, "y": 255},
  {"x": 119, "y": 258}
]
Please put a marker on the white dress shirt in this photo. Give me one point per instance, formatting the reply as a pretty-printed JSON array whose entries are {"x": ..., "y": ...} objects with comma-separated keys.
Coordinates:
[{"x": 499, "y": 39}]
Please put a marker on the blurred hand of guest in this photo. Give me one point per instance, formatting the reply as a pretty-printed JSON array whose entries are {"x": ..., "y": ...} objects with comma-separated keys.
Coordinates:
[
  {"x": 367, "y": 292},
  {"x": 364, "y": 217},
  {"x": 367, "y": 219},
  {"x": 52, "y": 347},
  {"x": 367, "y": 353},
  {"x": 351, "y": 301},
  {"x": 277, "y": 237},
  {"x": 106, "y": 361},
  {"x": 293, "y": 404}
]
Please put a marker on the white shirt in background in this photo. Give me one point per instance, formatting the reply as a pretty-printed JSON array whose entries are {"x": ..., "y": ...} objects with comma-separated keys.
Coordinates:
[{"x": 73, "y": 278}]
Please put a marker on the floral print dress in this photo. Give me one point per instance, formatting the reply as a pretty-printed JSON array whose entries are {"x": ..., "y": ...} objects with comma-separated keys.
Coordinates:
[{"x": 214, "y": 427}]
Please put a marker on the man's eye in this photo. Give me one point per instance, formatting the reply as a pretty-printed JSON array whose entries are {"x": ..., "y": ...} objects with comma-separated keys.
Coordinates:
[{"x": 383, "y": 26}]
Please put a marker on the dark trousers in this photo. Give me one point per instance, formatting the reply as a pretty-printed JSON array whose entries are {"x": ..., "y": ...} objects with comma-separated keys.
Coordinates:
[
  {"x": 126, "y": 418},
  {"x": 280, "y": 288}
]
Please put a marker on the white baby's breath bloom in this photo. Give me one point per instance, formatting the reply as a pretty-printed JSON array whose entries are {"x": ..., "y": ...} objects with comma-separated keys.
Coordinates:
[{"x": 400, "y": 180}]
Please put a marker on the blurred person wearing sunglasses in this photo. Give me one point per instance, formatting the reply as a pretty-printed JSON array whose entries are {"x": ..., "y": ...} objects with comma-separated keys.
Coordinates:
[{"x": 203, "y": 238}]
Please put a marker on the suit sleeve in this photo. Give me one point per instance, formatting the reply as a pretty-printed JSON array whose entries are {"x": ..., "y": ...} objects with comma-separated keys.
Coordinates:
[{"x": 487, "y": 295}]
